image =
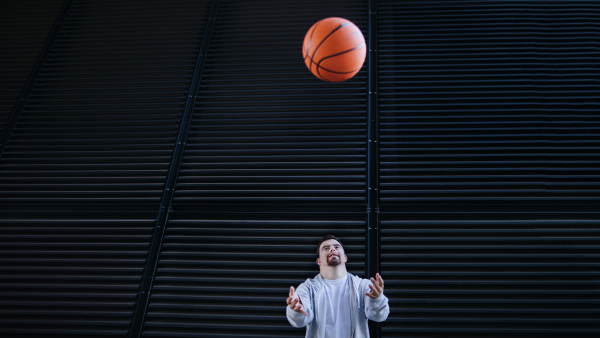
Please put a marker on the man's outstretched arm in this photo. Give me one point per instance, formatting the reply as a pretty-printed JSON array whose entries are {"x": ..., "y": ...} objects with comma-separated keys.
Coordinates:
[
  {"x": 376, "y": 304},
  {"x": 299, "y": 314}
]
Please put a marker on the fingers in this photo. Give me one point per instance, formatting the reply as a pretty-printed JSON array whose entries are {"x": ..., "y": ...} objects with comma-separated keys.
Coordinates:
[
  {"x": 292, "y": 296},
  {"x": 374, "y": 290},
  {"x": 375, "y": 284},
  {"x": 298, "y": 307},
  {"x": 373, "y": 293},
  {"x": 380, "y": 280},
  {"x": 294, "y": 302},
  {"x": 378, "y": 283}
]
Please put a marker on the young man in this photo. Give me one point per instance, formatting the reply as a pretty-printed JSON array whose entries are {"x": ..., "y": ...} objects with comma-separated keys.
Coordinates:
[{"x": 336, "y": 304}]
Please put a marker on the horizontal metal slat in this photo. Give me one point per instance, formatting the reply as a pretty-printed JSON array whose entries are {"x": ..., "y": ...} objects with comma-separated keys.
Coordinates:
[
  {"x": 79, "y": 101},
  {"x": 99, "y": 126},
  {"x": 20, "y": 47},
  {"x": 487, "y": 107},
  {"x": 468, "y": 278},
  {"x": 70, "y": 275},
  {"x": 454, "y": 84},
  {"x": 248, "y": 104},
  {"x": 208, "y": 262}
]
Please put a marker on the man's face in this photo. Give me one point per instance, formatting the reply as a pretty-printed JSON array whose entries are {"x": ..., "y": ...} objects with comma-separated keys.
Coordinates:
[{"x": 331, "y": 253}]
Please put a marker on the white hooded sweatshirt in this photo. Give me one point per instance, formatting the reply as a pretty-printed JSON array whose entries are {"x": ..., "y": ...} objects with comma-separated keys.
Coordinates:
[{"x": 362, "y": 307}]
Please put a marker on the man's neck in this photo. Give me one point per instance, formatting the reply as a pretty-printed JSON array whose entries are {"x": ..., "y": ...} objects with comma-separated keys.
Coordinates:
[{"x": 333, "y": 272}]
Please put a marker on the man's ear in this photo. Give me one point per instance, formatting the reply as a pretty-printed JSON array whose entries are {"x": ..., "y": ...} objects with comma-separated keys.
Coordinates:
[
  {"x": 319, "y": 261},
  {"x": 346, "y": 258}
]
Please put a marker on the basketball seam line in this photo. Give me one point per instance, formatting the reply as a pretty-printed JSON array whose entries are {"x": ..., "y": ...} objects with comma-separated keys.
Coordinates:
[
  {"x": 330, "y": 56},
  {"x": 311, "y": 36},
  {"x": 325, "y": 39},
  {"x": 333, "y": 71}
]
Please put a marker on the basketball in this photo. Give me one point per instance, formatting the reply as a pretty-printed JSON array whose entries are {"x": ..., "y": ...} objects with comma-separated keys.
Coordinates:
[{"x": 334, "y": 49}]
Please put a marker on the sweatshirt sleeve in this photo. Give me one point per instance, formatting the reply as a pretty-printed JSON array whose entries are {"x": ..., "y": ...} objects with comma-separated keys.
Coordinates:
[
  {"x": 298, "y": 319},
  {"x": 376, "y": 309}
]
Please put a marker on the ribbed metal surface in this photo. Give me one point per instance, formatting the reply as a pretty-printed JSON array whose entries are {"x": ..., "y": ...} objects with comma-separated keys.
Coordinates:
[
  {"x": 71, "y": 272},
  {"x": 488, "y": 122},
  {"x": 489, "y": 168},
  {"x": 86, "y": 163},
  {"x": 266, "y": 129},
  {"x": 269, "y": 149},
  {"x": 101, "y": 121},
  {"x": 229, "y": 275},
  {"x": 24, "y": 28},
  {"x": 466, "y": 275},
  {"x": 489, "y": 100}
]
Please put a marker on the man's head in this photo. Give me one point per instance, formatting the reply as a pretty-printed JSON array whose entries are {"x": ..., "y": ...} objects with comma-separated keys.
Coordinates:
[{"x": 330, "y": 252}]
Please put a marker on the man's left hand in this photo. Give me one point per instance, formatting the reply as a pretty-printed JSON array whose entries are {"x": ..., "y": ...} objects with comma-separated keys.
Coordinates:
[{"x": 376, "y": 287}]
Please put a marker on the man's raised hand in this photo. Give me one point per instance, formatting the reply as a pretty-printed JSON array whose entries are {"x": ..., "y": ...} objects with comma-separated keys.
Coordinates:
[
  {"x": 294, "y": 302},
  {"x": 376, "y": 287}
]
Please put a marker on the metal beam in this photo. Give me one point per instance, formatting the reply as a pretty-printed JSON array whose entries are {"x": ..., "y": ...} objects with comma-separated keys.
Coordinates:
[
  {"x": 372, "y": 235},
  {"x": 167, "y": 198},
  {"x": 37, "y": 68}
]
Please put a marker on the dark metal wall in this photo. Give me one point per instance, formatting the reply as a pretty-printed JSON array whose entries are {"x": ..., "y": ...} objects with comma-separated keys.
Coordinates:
[
  {"x": 489, "y": 116},
  {"x": 274, "y": 160},
  {"x": 167, "y": 168},
  {"x": 83, "y": 171},
  {"x": 26, "y": 29}
]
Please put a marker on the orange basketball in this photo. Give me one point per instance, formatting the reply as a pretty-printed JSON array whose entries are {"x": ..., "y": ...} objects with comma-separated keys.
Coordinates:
[{"x": 334, "y": 49}]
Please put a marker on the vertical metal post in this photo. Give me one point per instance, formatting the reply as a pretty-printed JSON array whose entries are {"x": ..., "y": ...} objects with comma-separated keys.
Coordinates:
[
  {"x": 373, "y": 261},
  {"x": 167, "y": 198}
]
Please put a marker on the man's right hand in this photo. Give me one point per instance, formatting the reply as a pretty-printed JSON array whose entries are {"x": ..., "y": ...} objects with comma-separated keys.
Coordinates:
[{"x": 294, "y": 302}]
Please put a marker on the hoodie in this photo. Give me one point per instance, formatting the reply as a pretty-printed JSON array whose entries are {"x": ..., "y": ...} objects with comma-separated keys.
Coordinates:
[{"x": 362, "y": 307}]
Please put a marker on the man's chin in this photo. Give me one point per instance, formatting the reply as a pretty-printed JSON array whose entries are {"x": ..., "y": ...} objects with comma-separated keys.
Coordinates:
[{"x": 335, "y": 261}]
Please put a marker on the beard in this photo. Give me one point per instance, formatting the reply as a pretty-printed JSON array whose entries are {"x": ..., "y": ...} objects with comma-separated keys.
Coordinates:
[{"x": 334, "y": 260}]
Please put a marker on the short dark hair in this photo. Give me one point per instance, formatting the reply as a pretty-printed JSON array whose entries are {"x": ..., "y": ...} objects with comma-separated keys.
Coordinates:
[{"x": 326, "y": 238}]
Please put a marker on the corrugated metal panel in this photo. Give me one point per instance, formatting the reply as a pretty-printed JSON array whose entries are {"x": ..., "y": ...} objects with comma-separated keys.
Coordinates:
[
  {"x": 467, "y": 275},
  {"x": 229, "y": 274},
  {"x": 489, "y": 168},
  {"x": 265, "y": 129},
  {"x": 24, "y": 29},
  {"x": 101, "y": 121},
  {"x": 496, "y": 101},
  {"x": 86, "y": 163},
  {"x": 274, "y": 160},
  {"x": 488, "y": 121},
  {"x": 71, "y": 272}
]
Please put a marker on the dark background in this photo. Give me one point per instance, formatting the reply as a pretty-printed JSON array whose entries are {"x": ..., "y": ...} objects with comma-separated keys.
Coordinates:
[{"x": 168, "y": 167}]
